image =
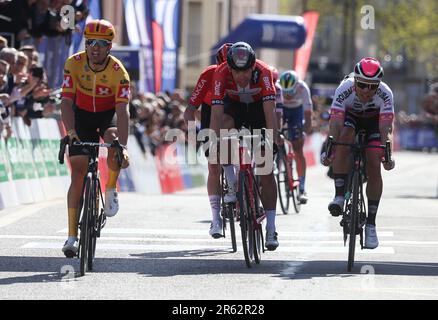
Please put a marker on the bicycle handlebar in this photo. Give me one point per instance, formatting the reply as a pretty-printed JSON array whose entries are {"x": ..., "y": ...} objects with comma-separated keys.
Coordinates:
[
  {"x": 386, "y": 147},
  {"x": 116, "y": 144}
]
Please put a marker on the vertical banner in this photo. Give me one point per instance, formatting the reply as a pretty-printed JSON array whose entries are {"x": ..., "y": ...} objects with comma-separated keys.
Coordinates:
[
  {"x": 302, "y": 55},
  {"x": 165, "y": 28},
  {"x": 138, "y": 17}
]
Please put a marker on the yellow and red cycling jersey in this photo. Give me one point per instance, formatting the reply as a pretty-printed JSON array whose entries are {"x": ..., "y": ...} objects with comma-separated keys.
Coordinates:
[{"x": 95, "y": 91}]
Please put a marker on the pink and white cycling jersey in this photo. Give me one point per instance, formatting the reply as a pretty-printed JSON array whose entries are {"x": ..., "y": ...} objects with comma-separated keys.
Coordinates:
[
  {"x": 345, "y": 99},
  {"x": 300, "y": 98}
]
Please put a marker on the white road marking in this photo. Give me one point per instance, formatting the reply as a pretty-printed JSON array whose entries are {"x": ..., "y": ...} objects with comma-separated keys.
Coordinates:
[
  {"x": 176, "y": 247},
  {"x": 203, "y": 232},
  {"x": 25, "y": 212}
]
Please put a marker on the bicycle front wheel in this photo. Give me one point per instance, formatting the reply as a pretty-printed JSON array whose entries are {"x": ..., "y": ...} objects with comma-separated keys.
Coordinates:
[
  {"x": 353, "y": 221},
  {"x": 85, "y": 226},
  {"x": 283, "y": 185},
  {"x": 246, "y": 223},
  {"x": 92, "y": 235}
]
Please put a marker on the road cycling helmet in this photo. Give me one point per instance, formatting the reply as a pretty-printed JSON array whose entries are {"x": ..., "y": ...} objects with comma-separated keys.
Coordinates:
[
  {"x": 99, "y": 29},
  {"x": 221, "y": 54},
  {"x": 241, "y": 56},
  {"x": 289, "y": 81},
  {"x": 368, "y": 69}
]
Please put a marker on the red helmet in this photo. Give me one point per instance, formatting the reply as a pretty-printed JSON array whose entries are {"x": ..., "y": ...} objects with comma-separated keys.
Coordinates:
[
  {"x": 368, "y": 69},
  {"x": 221, "y": 54}
]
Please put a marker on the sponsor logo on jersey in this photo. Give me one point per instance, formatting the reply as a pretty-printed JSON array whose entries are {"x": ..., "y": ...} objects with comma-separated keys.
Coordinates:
[
  {"x": 67, "y": 82},
  {"x": 116, "y": 67},
  {"x": 198, "y": 90},
  {"x": 124, "y": 81},
  {"x": 255, "y": 76},
  {"x": 267, "y": 82},
  {"x": 217, "y": 102},
  {"x": 66, "y": 71},
  {"x": 77, "y": 57},
  {"x": 384, "y": 96},
  {"x": 103, "y": 91},
  {"x": 123, "y": 92},
  {"x": 217, "y": 88},
  {"x": 344, "y": 95}
]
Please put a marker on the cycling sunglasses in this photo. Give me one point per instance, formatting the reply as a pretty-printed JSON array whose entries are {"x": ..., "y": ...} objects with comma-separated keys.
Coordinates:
[
  {"x": 370, "y": 86},
  {"x": 99, "y": 42}
]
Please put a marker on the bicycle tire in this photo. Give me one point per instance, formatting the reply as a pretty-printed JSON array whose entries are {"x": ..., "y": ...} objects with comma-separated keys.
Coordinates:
[
  {"x": 93, "y": 225},
  {"x": 83, "y": 241},
  {"x": 230, "y": 213},
  {"x": 295, "y": 192},
  {"x": 283, "y": 185},
  {"x": 257, "y": 230},
  {"x": 245, "y": 221},
  {"x": 353, "y": 221}
]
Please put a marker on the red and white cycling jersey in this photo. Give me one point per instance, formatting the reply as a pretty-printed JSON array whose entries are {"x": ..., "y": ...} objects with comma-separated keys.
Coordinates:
[
  {"x": 203, "y": 89},
  {"x": 345, "y": 99},
  {"x": 260, "y": 88}
]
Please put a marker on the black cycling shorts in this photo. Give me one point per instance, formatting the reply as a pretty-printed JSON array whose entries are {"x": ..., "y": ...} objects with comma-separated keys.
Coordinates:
[
  {"x": 87, "y": 125},
  {"x": 250, "y": 115},
  {"x": 369, "y": 124}
]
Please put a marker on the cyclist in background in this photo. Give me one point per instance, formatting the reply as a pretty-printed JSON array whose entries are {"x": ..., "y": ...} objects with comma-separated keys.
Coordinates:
[
  {"x": 247, "y": 83},
  {"x": 362, "y": 101},
  {"x": 95, "y": 97},
  {"x": 201, "y": 95},
  {"x": 297, "y": 107}
]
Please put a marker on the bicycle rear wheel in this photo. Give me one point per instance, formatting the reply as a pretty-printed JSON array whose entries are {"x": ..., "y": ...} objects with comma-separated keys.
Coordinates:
[
  {"x": 283, "y": 185},
  {"x": 246, "y": 226},
  {"x": 230, "y": 214},
  {"x": 353, "y": 221},
  {"x": 85, "y": 226}
]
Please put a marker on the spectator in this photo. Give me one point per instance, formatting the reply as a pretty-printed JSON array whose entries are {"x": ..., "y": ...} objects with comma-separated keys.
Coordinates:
[{"x": 3, "y": 43}]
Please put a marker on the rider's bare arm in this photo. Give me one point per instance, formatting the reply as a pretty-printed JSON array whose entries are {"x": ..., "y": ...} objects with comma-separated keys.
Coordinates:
[
  {"x": 122, "y": 111},
  {"x": 67, "y": 113},
  {"x": 189, "y": 113},
  {"x": 335, "y": 127},
  {"x": 271, "y": 118},
  {"x": 307, "y": 121}
]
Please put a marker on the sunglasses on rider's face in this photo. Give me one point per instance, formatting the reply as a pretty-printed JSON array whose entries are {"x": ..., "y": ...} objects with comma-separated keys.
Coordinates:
[
  {"x": 370, "y": 86},
  {"x": 101, "y": 43}
]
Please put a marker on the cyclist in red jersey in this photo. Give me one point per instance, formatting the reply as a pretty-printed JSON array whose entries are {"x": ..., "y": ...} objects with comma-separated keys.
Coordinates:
[
  {"x": 244, "y": 94},
  {"x": 201, "y": 95}
]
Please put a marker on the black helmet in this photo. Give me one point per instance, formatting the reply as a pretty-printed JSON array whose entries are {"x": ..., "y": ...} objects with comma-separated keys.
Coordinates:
[{"x": 241, "y": 56}]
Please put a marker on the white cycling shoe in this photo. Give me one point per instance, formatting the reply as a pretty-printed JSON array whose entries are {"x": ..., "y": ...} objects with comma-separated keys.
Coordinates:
[
  {"x": 111, "y": 203},
  {"x": 216, "y": 230},
  {"x": 70, "y": 247},
  {"x": 371, "y": 240},
  {"x": 336, "y": 206}
]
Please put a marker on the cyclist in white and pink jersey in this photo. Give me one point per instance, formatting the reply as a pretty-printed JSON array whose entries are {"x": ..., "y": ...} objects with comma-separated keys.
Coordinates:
[{"x": 362, "y": 101}]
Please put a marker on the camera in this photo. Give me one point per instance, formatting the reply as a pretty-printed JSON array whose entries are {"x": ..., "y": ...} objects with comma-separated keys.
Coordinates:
[{"x": 37, "y": 72}]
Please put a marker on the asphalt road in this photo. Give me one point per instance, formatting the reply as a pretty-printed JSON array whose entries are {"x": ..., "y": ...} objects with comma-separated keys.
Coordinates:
[{"x": 158, "y": 247}]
